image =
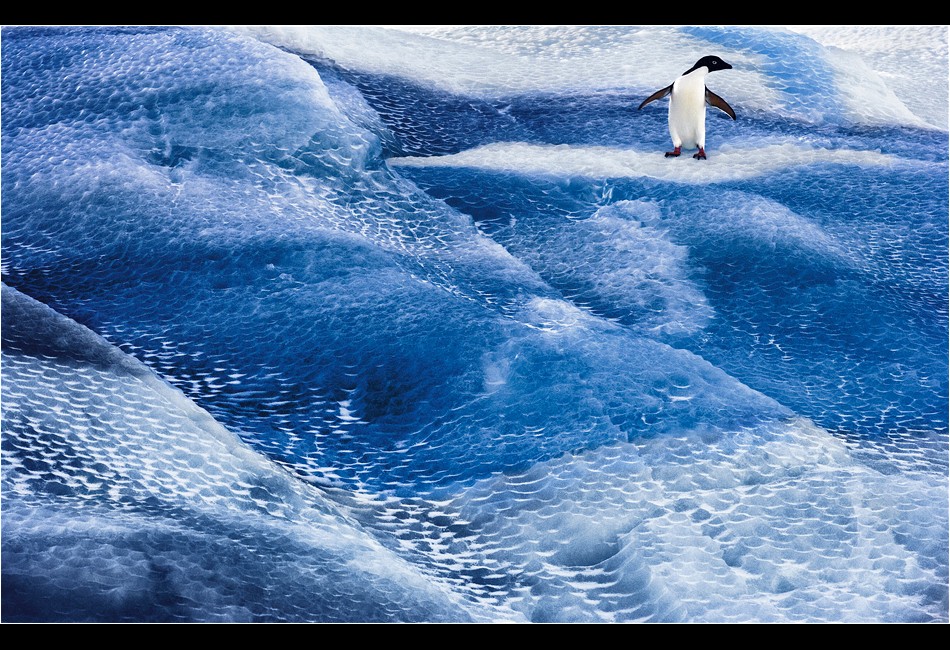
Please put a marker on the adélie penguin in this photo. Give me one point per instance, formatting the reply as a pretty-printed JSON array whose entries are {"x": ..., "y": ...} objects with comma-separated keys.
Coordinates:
[{"x": 688, "y": 98}]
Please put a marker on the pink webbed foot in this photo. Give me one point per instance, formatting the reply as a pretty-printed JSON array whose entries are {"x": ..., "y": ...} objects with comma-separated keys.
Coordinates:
[
  {"x": 701, "y": 155},
  {"x": 674, "y": 153}
]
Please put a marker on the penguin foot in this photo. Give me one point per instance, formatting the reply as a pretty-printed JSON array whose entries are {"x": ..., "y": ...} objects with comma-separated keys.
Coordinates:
[
  {"x": 701, "y": 155},
  {"x": 674, "y": 153}
]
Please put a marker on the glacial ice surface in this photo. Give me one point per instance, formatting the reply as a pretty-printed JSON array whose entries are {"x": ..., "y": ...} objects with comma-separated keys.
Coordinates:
[{"x": 351, "y": 324}]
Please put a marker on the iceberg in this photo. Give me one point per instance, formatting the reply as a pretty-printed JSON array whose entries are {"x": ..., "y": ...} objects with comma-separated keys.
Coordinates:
[{"x": 341, "y": 324}]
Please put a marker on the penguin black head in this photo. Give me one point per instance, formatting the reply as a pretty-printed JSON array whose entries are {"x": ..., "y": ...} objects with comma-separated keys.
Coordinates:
[{"x": 713, "y": 63}]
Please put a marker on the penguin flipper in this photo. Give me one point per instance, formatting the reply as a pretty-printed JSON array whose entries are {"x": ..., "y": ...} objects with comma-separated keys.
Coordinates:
[
  {"x": 660, "y": 94},
  {"x": 715, "y": 100}
]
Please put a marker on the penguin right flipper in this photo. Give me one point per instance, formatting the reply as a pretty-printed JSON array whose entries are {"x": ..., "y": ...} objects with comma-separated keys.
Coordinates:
[
  {"x": 715, "y": 100},
  {"x": 660, "y": 94}
]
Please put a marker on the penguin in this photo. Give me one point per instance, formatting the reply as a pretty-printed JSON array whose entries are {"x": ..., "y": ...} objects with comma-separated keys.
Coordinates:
[{"x": 688, "y": 98}]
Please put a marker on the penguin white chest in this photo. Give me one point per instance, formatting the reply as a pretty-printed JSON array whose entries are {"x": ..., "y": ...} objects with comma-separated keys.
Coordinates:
[{"x": 688, "y": 110}]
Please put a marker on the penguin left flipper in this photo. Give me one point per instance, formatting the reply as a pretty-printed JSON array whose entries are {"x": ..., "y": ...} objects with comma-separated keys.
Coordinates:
[
  {"x": 715, "y": 100},
  {"x": 660, "y": 94}
]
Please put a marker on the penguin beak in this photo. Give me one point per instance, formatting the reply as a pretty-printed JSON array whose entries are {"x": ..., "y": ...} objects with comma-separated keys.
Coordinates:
[{"x": 726, "y": 66}]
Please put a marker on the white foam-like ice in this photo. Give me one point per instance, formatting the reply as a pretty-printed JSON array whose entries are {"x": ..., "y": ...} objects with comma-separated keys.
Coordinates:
[
  {"x": 910, "y": 59},
  {"x": 507, "y": 61},
  {"x": 449, "y": 66},
  {"x": 729, "y": 163},
  {"x": 873, "y": 84},
  {"x": 868, "y": 96}
]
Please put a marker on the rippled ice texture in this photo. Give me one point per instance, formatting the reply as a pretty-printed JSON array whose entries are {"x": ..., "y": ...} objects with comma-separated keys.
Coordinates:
[{"x": 351, "y": 324}]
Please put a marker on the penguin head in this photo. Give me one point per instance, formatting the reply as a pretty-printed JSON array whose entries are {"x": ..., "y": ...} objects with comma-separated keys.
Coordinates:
[{"x": 712, "y": 63}]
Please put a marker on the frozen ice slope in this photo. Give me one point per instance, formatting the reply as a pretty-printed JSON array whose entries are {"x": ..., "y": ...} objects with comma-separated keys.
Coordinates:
[{"x": 337, "y": 324}]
